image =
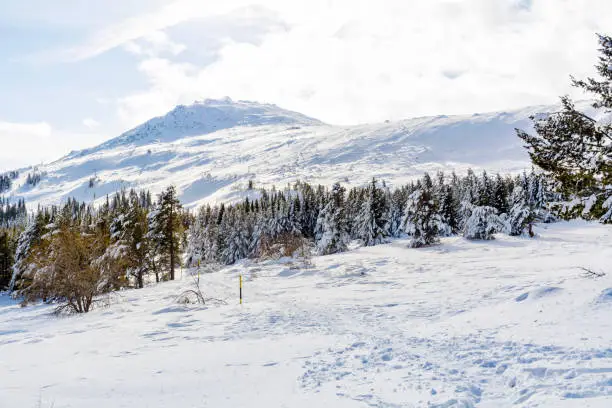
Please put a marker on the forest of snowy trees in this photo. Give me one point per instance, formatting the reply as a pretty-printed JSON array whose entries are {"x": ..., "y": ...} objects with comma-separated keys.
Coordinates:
[
  {"x": 132, "y": 239},
  {"x": 13, "y": 216},
  {"x": 74, "y": 252},
  {"x": 6, "y": 180},
  {"x": 476, "y": 206}
]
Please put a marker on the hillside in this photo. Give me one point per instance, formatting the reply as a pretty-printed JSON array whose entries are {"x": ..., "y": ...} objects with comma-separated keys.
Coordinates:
[
  {"x": 510, "y": 322},
  {"x": 209, "y": 151}
]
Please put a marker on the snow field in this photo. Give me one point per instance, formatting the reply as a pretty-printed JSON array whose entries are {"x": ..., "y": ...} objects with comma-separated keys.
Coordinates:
[{"x": 507, "y": 323}]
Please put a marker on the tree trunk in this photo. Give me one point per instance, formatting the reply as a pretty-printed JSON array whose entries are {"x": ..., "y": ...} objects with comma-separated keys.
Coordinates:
[
  {"x": 139, "y": 280},
  {"x": 171, "y": 237}
]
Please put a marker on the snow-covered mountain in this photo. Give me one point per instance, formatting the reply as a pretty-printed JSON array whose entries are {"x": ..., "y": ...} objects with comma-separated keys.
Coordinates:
[{"x": 209, "y": 151}]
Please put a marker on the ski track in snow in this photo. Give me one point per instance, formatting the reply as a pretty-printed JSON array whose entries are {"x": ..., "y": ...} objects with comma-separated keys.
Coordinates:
[{"x": 507, "y": 323}]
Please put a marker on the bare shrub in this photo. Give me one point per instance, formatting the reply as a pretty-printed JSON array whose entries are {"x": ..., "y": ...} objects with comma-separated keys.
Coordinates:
[
  {"x": 195, "y": 294},
  {"x": 589, "y": 273},
  {"x": 284, "y": 245}
]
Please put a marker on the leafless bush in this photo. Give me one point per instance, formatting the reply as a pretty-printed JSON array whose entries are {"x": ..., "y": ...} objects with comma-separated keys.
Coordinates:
[
  {"x": 195, "y": 294},
  {"x": 588, "y": 273},
  {"x": 284, "y": 245}
]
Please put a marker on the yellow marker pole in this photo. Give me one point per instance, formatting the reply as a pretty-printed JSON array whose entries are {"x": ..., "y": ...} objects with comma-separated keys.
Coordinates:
[{"x": 240, "y": 289}]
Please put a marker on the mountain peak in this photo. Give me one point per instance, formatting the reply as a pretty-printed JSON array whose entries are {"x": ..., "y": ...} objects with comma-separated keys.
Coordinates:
[{"x": 207, "y": 116}]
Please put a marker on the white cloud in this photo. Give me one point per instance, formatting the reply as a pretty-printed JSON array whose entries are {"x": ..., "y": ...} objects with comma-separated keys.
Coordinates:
[
  {"x": 91, "y": 123},
  {"x": 352, "y": 61},
  {"x": 154, "y": 44},
  {"x": 13, "y": 131},
  {"x": 21, "y": 142},
  {"x": 25, "y": 144},
  {"x": 347, "y": 61},
  {"x": 169, "y": 15}
]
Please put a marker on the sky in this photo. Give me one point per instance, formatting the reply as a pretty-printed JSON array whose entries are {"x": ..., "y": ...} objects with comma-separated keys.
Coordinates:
[{"x": 74, "y": 73}]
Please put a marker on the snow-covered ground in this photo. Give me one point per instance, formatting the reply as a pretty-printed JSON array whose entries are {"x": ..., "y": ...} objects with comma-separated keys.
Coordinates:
[
  {"x": 511, "y": 322},
  {"x": 209, "y": 151}
]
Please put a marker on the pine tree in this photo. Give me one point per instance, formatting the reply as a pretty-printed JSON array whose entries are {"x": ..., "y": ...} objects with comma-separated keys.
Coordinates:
[
  {"x": 7, "y": 251},
  {"x": 449, "y": 210},
  {"x": 520, "y": 215},
  {"x": 237, "y": 245},
  {"x": 165, "y": 228},
  {"x": 423, "y": 218},
  {"x": 486, "y": 194},
  {"x": 470, "y": 188},
  {"x": 331, "y": 232},
  {"x": 129, "y": 246},
  {"x": 28, "y": 239},
  {"x": 371, "y": 222},
  {"x": 500, "y": 195},
  {"x": 482, "y": 223},
  {"x": 572, "y": 147},
  {"x": 396, "y": 212}
]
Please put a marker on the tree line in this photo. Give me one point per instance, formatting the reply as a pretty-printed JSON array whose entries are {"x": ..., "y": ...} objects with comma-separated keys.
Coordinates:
[
  {"x": 476, "y": 206},
  {"x": 131, "y": 238},
  {"x": 74, "y": 252},
  {"x": 13, "y": 217},
  {"x": 6, "y": 180}
]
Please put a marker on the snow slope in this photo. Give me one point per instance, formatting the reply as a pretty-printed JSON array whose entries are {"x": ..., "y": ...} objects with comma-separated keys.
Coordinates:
[
  {"x": 506, "y": 323},
  {"x": 209, "y": 151}
]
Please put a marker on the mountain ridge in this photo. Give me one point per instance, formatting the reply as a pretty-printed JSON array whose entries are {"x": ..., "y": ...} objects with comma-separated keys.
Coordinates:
[
  {"x": 211, "y": 149},
  {"x": 206, "y": 116}
]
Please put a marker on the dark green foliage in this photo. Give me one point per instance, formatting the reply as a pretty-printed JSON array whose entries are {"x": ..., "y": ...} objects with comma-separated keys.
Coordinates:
[
  {"x": 424, "y": 217},
  {"x": 573, "y": 148},
  {"x": 116, "y": 231},
  {"x": 8, "y": 244},
  {"x": 371, "y": 223},
  {"x": 165, "y": 228},
  {"x": 12, "y": 213}
]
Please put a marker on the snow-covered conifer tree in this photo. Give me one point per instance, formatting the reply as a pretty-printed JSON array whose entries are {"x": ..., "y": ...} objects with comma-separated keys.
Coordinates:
[
  {"x": 237, "y": 243},
  {"x": 482, "y": 223},
  {"x": 331, "y": 232},
  {"x": 423, "y": 222},
  {"x": 370, "y": 224}
]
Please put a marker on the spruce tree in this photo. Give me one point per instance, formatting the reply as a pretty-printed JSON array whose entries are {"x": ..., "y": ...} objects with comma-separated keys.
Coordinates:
[
  {"x": 129, "y": 242},
  {"x": 487, "y": 191},
  {"x": 331, "y": 232},
  {"x": 237, "y": 245},
  {"x": 6, "y": 257},
  {"x": 572, "y": 147},
  {"x": 371, "y": 222},
  {"x": 500, "y": 195},
  {"x": 396, "y": 212},
  {"x": 165, "y": 228},
  {"x": 520, "y": 215},
  {"x": 423, "y": 217},
  {"x": 28, "y": 239},
  {"x": 482, "y": 222},
  {"x": 449, "y": 210}
]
